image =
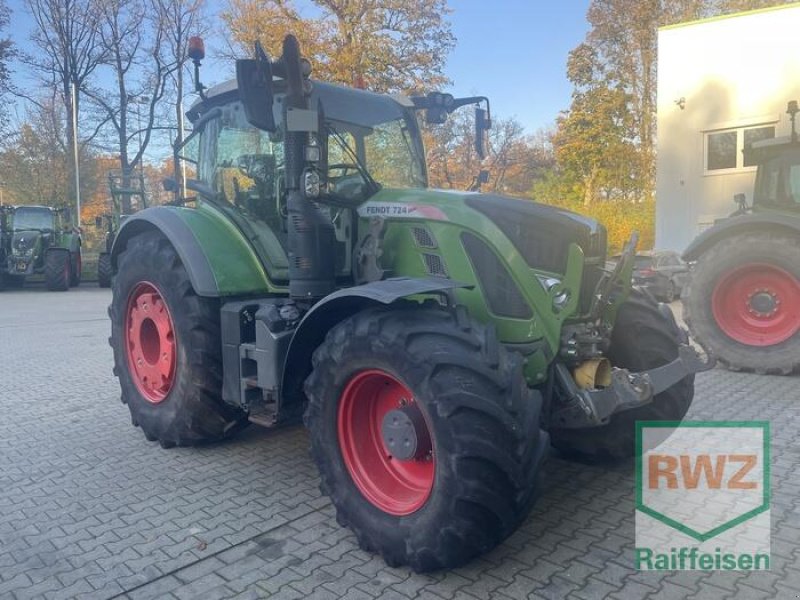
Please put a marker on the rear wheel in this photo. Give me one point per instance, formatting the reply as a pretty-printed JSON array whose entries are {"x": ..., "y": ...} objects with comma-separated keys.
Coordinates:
[
  {"x": 742, "y": 302},
  {"x": 57, "y": 269},
  {"x": 425, "y": 433},
  {"x": 104, "y": 271},
  {"x": 167, "y": 348},
  {"x": 643, "y": 338},
  {"x": 76, "y": 267}
]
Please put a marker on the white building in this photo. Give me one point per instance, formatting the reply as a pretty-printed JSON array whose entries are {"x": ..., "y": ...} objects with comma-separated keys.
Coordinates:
[{"x": 722, "y": 83}]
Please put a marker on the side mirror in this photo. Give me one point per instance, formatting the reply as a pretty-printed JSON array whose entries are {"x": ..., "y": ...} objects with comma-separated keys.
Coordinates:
[
  {"x": 482, "y": 126},
  {"x": 741, "y": 201},
  {"x": 254, "y": 79},
  {"x": 98, "y": 221},
  {"x": 170, "y": 184}
]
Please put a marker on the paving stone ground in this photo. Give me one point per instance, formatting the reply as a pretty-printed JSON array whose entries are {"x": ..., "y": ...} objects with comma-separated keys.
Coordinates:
[{"x": 89, "y": 509}]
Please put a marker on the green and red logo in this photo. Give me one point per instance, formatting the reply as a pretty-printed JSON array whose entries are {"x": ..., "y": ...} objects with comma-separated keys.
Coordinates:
[{"x": 702, "y": 495}]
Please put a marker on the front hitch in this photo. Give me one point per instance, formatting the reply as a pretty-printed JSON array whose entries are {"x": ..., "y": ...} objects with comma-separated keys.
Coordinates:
[{"x": 593, "y": 407}]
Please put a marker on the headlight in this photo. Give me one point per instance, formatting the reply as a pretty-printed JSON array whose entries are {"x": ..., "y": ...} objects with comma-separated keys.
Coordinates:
[
  {"x": 559, "y": 300},
  {"x": 311, "y": 183}
]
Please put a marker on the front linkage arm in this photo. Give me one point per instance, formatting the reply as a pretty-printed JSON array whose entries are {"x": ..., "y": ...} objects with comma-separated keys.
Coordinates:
[{"x": 590, "y": 408}]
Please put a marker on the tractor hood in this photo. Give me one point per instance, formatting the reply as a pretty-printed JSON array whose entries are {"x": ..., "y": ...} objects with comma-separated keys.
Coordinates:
[
  {"x": 23, "y": 243},
  {"x": 540, "y": 233}
]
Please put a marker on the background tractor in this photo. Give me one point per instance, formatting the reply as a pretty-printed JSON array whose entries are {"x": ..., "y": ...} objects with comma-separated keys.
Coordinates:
[
  {"x": 41, "y": 240},
  {"x": 127, "y": 196},
  {"x": 434, "y": 343},
  {"x": 743, "y": 299}
]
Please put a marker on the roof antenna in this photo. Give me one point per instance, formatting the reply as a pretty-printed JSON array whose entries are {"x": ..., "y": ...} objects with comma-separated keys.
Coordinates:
[{"x": 792, "y": 111}]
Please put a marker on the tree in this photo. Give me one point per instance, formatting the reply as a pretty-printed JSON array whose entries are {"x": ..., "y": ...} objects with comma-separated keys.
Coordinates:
[
  {"x": 179, "y": 19},
  {"x": 6, "y": 54},
  {"x": 34, "y": 161},
  {"x": 514, "y": 160},
  {"x": 67, "y": 33},
  {"x": 384, "y": 45},
  {"x": 132, "y": 51}
]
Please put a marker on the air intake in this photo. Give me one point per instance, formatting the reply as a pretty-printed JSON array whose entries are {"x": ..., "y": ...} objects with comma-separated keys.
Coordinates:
[{"x": 501, "y": 292}]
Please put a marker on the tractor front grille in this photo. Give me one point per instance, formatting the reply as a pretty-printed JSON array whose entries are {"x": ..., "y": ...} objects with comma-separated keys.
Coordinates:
[{"x": 501, "y": 292}]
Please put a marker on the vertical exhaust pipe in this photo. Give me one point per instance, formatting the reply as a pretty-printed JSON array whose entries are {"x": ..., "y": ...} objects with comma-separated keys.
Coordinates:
[{"x": 311, "y": 238}]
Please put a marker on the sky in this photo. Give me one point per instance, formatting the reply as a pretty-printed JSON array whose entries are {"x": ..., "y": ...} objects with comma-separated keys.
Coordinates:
[{"x": 513, "y": 51}]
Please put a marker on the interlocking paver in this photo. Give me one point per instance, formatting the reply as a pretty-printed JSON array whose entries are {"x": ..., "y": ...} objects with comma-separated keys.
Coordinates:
[{"x": 88, "y": 508}]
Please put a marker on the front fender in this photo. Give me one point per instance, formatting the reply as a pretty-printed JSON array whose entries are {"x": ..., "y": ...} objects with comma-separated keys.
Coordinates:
[
  {"x": 217, "y": 257},
  {"x": 338, "y": 306},
  {"x": 777, "y": 222}
]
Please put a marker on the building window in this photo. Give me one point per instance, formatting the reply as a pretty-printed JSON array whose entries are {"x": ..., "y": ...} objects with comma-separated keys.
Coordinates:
[{"x": 723, "y": 149}]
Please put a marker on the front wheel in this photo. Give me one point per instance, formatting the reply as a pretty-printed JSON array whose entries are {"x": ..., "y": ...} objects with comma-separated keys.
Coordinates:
[
  {"x": 104, "y": 270},
  {"x": 425, "y": 434},
  {"x": 57, "y": 269},
  {"x": 643, "y": 338},
  {"x": 167, "y": 348},
  {"x": 742, "y": 302},
  {"x": 76, "y": 268}
]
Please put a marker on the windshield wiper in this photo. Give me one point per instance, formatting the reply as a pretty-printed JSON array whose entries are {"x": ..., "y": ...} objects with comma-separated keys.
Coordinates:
[{"x": 374, "y": 186}]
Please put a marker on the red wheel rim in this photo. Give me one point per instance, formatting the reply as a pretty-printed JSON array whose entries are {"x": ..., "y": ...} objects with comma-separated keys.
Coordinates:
[
  {"x": 757, "y": 304},
  {"x": 150, "y": 342},
  {"x": 398, "y": 487}
]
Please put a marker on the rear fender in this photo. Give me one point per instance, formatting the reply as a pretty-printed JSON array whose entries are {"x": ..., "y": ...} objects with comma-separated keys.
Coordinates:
[
  {"x": 769, "y": 221},
  {"x": 217, "y": 257}
]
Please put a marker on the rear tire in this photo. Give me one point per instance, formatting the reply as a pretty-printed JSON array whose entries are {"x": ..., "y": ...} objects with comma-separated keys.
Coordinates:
[
  {"x": 76, "y": 267},
  {"x": 481, "y": 418},
  {"x": 184, "y": 407},
  {"x": 765, "y": 343},
  {"x": 57, "y": 271},
  {"x": 643, "y": 338},
  {"x": 104, "y": 270}
]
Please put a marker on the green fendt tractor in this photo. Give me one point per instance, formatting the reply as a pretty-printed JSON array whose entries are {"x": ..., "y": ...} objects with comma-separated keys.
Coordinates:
[
  {"x": 5, "y": 243},
  {"x": 434, "y": 343},
  {"x": 743, "y": 298},
  {"x": 41, "y": 240},
  {"x": 127, "y": 197}
]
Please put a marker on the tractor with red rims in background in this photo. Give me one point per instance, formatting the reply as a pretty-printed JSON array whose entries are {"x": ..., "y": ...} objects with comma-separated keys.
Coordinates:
[
  {"x": 742, "y": 302},
  {"x": 435, "y": 344}
]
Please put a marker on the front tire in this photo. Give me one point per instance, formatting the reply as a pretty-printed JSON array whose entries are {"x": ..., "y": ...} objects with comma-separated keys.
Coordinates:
[
  {"x": 167, "y": 348},
  {"x": 476, "y": 479},
  {"x": 57, "y": 269},
  {"x": 76, "y": 268},
  {"x": 742, "y": 301},
  {"x": 643, "y": 338},
  {"x": 104, "y": 270}
]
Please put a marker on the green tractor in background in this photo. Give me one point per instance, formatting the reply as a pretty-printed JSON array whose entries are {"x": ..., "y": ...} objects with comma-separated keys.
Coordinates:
[
  {"x": 743, "y": 298},
  {"x": 40, "y": 240},
  {"x": 127, "y": 197},
  {"x": 434, "y": 343}
]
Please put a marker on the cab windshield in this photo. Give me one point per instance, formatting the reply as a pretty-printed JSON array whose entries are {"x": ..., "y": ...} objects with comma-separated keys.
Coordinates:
[
  {"x": 28, "y": 218},
  {"x": 778, "y": 181},
  {"x": 246, "y": 164}
]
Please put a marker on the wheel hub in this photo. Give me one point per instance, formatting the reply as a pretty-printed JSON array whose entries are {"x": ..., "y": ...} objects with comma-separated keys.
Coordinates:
[
  {"x": 385, "y": 442},
  {"x": 404, "y": 433},
  {"x": 150, "y": 343},
  {"x": 756, "y": 304},
  {"x": 763, "y": 303}
]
